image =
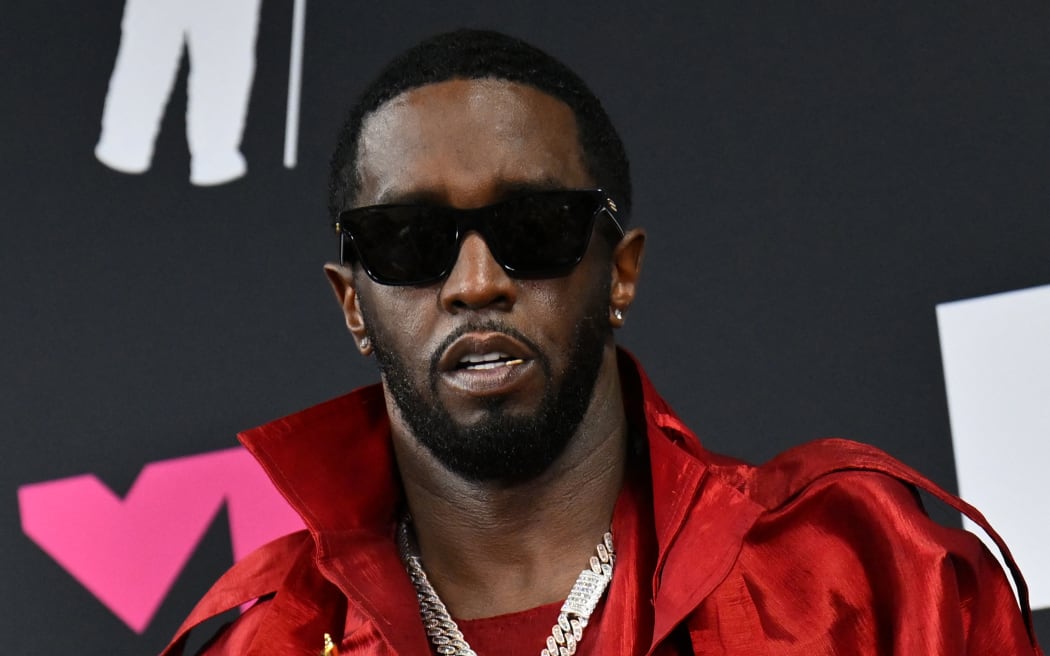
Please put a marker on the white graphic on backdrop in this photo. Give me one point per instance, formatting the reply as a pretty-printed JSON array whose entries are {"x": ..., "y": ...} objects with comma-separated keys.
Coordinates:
[
  {"x": 219, "y": 39},
  {"x": 996, "y": 352}
]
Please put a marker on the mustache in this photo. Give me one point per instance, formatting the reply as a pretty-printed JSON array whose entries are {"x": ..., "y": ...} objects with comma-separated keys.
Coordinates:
[{"x": 489, "y": 326}]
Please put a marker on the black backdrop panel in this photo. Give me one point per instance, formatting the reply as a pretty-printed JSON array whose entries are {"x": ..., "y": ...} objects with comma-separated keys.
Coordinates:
[{"x": 814, "y": 179}]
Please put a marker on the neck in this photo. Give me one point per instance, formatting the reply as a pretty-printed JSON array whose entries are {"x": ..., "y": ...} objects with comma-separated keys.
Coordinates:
[{"x": 491, "y": 549}]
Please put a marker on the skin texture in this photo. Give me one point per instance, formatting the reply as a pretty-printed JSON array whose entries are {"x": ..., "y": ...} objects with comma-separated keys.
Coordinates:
[{"x": 494, "y": 546}]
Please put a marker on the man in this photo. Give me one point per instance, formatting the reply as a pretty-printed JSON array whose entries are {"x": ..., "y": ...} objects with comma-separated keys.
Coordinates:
[{"x": 481, "y": 196}]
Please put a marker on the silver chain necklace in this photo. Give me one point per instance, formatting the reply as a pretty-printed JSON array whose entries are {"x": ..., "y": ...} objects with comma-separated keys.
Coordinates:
[{"x": 448, "y": 640}]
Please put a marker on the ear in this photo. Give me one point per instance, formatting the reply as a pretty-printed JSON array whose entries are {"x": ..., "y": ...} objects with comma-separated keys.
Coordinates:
[
  {"x": 341, "y": 277},
  {"x": 626, "y": 267}
]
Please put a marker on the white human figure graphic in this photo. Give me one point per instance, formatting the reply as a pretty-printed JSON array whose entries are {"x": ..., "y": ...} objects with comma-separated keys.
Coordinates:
[{"x": 219, "y": 38}]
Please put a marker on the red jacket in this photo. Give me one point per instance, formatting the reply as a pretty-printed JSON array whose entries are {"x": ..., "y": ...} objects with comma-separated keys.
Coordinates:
[{"x": 823, "y": 550}]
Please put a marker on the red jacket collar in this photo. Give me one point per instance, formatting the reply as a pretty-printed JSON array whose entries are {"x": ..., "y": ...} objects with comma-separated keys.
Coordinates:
[{"x": 333, "y": 463}]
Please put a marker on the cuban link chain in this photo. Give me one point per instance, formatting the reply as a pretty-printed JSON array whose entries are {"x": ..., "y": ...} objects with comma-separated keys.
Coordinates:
[{"x": 448, "y": 640}]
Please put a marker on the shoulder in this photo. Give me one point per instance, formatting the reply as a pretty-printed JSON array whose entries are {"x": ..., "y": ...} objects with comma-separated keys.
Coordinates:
[
  {"x": 833, "y": 477},
  {"x": 843, "y": 546},
  {"x": 835, "y": 471},
  {"x": 851, "y": 497}
]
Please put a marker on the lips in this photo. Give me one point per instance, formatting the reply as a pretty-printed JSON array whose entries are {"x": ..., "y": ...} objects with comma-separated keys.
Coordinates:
[{"x": 486, "y": 364}]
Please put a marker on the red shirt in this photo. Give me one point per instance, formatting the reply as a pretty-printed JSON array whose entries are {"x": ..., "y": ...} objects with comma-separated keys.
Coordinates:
[{"x": 824, "y": 550}]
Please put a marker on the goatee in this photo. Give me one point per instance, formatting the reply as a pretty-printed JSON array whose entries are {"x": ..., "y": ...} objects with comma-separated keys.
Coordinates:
[{"x": 502, "y": 447}]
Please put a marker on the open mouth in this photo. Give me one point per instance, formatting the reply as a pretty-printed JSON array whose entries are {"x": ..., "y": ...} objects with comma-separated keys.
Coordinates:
[
  {"x": 484, "y": 361},
  {"x": 492, "y": 363}
]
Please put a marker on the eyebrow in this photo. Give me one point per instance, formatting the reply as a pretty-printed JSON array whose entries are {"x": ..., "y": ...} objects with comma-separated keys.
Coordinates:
[{"x": 504, "y": 189}]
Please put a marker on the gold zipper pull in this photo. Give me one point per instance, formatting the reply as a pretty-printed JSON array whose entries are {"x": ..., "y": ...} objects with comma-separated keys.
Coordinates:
[{"x": 329, "y": 647}]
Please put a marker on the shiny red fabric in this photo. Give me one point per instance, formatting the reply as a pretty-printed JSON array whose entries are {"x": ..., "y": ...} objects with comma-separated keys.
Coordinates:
[{"x": 824, "y": 550}]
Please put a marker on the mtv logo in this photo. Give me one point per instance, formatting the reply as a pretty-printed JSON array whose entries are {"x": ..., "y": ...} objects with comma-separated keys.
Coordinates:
[{"x": 996, "y": 353}]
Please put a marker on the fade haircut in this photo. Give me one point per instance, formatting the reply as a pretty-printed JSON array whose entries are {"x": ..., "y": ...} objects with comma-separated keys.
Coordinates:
[{"x": 475, "y": 54}]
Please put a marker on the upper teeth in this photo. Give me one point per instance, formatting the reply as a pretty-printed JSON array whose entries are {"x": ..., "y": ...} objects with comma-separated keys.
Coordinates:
[
  {"x": 474, "y": 358},
  {"x": 488, "y": 360}
]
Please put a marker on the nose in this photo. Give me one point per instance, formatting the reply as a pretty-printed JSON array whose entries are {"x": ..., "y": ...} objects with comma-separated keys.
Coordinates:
[{"x": 477, "y": 281}]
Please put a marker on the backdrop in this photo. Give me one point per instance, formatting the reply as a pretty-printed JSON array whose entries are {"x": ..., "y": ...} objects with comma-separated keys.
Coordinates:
[{"x": 839, "y": 197}]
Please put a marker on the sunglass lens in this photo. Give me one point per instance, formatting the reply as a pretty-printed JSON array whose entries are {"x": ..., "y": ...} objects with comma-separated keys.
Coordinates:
[
  {"x": 543, "y": 234},
  {"x": 404, "y": 245}
]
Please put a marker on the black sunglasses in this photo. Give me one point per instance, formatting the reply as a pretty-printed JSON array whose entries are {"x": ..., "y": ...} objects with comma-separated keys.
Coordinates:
[{"x": 537, "y": 235}]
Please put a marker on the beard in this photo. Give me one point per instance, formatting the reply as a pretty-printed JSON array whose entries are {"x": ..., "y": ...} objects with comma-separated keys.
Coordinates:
[{"x": 502, "y": 446}]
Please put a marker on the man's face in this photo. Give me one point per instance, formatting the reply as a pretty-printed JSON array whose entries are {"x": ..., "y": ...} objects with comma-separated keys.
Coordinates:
[{"x": 492, "y": 374}]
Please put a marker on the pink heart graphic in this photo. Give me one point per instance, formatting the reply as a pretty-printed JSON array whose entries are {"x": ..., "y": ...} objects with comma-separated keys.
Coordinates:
[{"x": 129, "y": 552}]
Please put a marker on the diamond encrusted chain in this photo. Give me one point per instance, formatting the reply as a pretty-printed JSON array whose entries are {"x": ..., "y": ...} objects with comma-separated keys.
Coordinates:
[{"x": 448, "y": 640}]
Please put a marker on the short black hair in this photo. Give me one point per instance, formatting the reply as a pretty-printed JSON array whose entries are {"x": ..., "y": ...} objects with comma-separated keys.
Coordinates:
[{"x": 475, "y": 54}]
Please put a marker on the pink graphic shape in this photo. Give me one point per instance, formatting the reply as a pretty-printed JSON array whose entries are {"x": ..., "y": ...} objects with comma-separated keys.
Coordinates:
[{"x": 129, "y": 552}]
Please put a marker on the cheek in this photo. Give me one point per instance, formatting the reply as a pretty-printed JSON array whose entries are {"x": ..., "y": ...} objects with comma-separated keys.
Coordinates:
[
  {"x": 398, "y": 314},
  {"x": 555, "y": 309},
  {"x": 587, "y": 284}
]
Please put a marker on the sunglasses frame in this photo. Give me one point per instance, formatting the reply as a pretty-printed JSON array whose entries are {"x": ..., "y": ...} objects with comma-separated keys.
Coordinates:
[{"x": 475, "y": 220}]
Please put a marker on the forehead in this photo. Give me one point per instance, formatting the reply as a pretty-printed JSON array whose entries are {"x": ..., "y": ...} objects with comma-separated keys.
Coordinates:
[{"x": 462, "y": 142}]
